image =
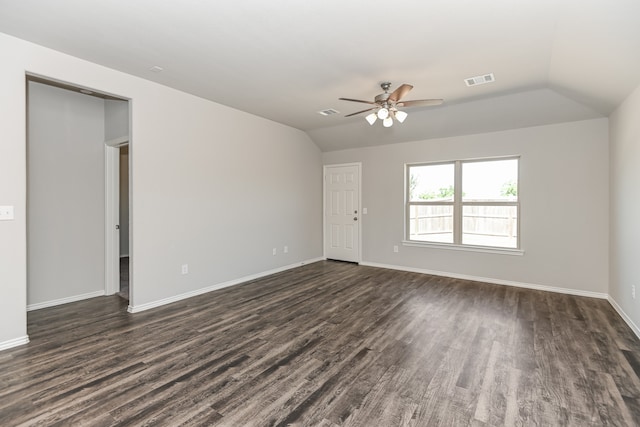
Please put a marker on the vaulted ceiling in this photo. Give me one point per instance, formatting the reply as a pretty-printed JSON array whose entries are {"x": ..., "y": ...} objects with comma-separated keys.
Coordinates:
[{"x": 285, "y": 60}]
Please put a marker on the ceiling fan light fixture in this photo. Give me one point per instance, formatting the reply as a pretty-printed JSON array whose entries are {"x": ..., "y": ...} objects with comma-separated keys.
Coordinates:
[
  {"x": 385, "y": 105},
  {"x": 400, "y": 116},
  {"x": 371, "y": 118}
]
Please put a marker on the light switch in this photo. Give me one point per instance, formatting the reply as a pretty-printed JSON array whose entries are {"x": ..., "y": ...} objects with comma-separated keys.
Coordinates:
[
  {"x": 6, "y": 213},
  {"x": 364, "y": 211}
]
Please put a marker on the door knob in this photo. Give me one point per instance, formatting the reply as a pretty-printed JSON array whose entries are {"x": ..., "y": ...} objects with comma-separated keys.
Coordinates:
[{"x": 355, "y": 218}]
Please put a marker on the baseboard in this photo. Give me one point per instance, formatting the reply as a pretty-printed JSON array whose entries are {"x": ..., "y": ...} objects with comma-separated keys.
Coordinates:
[
  {"x": 66, "y": 300},
  {"x": 5, "y": 345},
  {"x": 624, "y": 316},
  {"x": 492, "y": 281},
  {"x": 159, "y": 303}
]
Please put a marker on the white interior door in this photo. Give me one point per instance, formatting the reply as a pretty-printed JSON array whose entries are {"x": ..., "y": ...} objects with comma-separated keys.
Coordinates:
[{"x": 342, "y": 212}]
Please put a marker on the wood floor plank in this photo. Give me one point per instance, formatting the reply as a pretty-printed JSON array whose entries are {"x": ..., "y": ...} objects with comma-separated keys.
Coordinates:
[{"x": 329, "y": 344}]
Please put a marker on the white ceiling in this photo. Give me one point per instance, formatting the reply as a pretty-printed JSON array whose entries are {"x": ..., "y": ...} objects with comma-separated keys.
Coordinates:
[{"x": 553, "y": 60}]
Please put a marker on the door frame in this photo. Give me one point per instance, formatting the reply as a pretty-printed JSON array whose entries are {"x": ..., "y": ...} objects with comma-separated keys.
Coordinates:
[
  {"x": 112, "y": 206},
  {"x": 112, "y": 216},
  {"x": 324, "y": 206}
]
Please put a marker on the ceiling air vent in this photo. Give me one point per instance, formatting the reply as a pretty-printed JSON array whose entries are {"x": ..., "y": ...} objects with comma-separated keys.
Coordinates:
[
  {"x": 479, "y": 80},
  {"x": 328, "y": 112}
]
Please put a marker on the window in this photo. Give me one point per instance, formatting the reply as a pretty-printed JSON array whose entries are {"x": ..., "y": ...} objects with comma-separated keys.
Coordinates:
[{"x": 468, "y": 203}]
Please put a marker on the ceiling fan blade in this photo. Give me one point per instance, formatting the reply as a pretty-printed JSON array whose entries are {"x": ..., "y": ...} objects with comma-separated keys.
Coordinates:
[
  {"x": 363, "y": 111},
  {"x": 420, "y": 103},
  {"x": 400, "y": 92},
  {"x": 357, "y": 100}
]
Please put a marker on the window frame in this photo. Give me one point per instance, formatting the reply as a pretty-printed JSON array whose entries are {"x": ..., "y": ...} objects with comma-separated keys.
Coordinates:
[{"x": 458, "y": 207}]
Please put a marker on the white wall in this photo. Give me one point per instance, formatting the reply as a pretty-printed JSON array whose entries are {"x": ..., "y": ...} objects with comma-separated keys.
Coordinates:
[
  {"x": 13, "y": 186},
  {"x": 217, "y": 189},
  {"x": 563, "y": 194},
  {"x": 116, "y": 119},
  {"x": 212, "y": 186},
  {"x": 625, "y": 206},
  {"x": 65, "y": 194}
]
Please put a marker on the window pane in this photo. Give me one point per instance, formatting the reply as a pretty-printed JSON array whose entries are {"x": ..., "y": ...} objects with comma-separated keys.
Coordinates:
[
  {"x": 495, "y": 180},
  {"x": 431, "y": 183},
  {"x": 431, "y": 223},
  {"x": 490, "y": 226}
]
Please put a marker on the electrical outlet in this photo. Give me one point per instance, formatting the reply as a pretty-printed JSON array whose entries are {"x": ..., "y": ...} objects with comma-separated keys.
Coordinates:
[
  {"x": 395, "y": 248},
  {"x": 633, "y": 291},
  {"x": 185, "y": 268},
  {"x": 275, "y": 251},
  {"x": 285, "y": 250}
]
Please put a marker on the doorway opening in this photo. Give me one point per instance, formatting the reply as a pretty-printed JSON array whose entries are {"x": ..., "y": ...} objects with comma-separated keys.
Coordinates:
[
  {"x": 123, "y": 220},
  {"x": 68, "y": 172},
  {"x": 117, "y": 161}
]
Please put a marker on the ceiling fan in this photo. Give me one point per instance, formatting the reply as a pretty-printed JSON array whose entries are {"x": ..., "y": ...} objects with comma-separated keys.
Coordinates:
[{"x": 386, "y": 105}]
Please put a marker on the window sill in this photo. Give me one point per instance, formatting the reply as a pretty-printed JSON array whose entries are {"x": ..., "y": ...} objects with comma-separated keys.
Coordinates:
[{"x": 465, "y": 248}]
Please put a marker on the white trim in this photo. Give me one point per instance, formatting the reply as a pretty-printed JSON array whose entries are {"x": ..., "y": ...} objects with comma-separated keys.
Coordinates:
[
  {"x": 154, "y": 304},
  {"x": 117, "y": 142},
  {"x": 111, "y": 218},
  {"x": 458, "y": 206},
  {"x": 468, "y": 248},
  {"x": 130, "y": 205},
  {"x": 324, "y": 210},
  {"x": 66, "y": 300},
  {"x": 625, "y": 317},
  {"x": 567, "y": 291},
  {"x": 5, "y": 345}
]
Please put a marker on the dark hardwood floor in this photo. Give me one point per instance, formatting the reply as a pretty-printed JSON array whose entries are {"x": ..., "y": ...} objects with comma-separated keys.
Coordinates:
[
  {"x": 329, "y": 344},
  {"x": 123, "y": 292}
]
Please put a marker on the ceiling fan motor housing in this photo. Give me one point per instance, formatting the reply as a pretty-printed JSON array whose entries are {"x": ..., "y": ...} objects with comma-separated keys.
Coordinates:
[{"x": 382, "y": 98}]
